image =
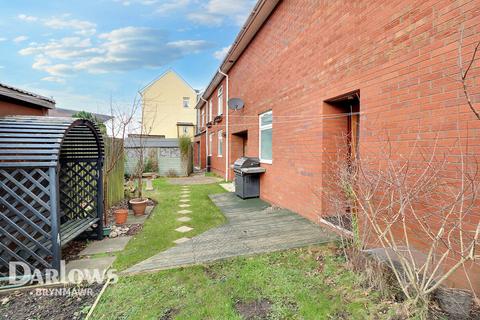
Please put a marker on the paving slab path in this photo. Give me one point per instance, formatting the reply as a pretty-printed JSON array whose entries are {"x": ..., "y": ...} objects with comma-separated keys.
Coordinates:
[
  {"x": 194, "y": 179},
  {"x": 93, "y": 267},
  {"x": 252, "y": 227},
  {"x": 107, "y": 245}
]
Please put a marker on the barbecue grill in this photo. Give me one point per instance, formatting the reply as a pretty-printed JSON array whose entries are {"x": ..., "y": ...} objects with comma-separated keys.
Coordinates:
[{"x": 247, "y": 177}]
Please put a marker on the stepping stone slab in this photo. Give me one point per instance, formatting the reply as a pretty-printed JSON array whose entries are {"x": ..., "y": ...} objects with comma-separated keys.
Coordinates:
[
  {"x": 96, "y": 266},
  {"x": 181, "y": 240},
  {"x": 184, "y": 205},
  {"x": 183, "y": 229},
  {"x": 184, "y": 219},
  {"x": 106, "y": 245},
  {"x": 184, "y": 211},
  {"x": 184, "y": 196},
  {"x": 230, "y": 187},
  {"x": 184, "y": 200}
]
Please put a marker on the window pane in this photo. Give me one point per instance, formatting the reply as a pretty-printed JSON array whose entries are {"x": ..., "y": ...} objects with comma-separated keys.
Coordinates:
[
  {"x": 220, "y": 143},
  {"x": 266, "y": 144},
  {"x": 220, "y": 105},
  {"x": 266, "y": 119}
]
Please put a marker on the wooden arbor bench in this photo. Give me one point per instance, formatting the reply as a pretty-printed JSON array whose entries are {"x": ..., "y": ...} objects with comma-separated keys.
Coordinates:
[{"x": 50, "y": 187}]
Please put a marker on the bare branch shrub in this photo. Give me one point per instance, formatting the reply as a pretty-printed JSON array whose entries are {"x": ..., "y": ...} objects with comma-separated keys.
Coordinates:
[{"x": 419, "y": 210}]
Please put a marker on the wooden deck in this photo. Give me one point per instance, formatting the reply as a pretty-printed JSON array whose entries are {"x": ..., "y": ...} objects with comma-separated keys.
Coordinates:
[{"x": 253, "y": 227}]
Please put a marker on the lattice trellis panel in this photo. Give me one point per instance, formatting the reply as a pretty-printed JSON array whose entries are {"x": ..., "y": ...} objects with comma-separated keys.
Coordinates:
[
  {"x": 78, "y": 190},
  {"x": 25, "y": 225}
]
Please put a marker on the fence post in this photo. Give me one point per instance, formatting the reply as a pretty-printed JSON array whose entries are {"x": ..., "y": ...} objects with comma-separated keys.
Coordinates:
[
  {"x": 100, "y": 196},
  {"x": 55, "y": 217}
]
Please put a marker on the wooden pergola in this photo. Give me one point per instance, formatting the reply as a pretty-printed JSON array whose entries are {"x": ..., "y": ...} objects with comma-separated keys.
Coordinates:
[{"x": 50, "y": 187}]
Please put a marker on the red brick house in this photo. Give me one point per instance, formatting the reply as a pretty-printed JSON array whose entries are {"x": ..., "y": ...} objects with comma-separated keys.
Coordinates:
[
  {"x": 309, "y": 71},
  {"x": 14, "y": 101}
]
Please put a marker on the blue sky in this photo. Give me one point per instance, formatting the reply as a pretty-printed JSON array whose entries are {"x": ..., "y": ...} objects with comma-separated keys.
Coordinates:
[{"x": 82, "y": 52}]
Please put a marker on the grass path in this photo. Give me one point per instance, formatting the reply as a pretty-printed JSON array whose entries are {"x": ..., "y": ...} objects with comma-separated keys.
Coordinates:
[
  {"x": 296, "y": 284},
  {"x": 159, "y": 232}
]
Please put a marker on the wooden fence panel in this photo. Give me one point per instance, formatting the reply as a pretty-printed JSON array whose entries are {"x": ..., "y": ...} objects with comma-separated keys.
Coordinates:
[{"x": 113, "y": 181}]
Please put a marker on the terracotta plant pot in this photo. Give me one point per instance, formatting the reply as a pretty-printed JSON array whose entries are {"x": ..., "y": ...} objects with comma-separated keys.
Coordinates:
[
  {"x": 139, "y": 206},
  {"x": 121, "y": 216}
]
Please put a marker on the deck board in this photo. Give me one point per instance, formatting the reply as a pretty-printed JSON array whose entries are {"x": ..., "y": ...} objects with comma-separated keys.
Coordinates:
[{"x": 252, "y": 227}]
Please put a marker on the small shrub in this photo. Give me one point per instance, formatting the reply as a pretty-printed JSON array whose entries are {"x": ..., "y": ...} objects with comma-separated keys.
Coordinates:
[
  {"x": 184, "y": 143},
  {"x": 172, "y": 173}
]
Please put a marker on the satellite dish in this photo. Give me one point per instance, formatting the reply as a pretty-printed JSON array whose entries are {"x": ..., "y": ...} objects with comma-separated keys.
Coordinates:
[{"x": 235, "y": 103}]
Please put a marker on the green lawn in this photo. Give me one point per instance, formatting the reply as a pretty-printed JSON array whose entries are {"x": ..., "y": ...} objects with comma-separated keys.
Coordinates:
[
  {"x": 296, "y": 284},
  {"x": 159, "y": 230}
]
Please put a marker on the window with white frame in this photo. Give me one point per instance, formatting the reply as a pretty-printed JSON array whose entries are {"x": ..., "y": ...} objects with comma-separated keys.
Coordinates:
[
  {"x": 265, "y": 137},
  {"x": 210, "y": 140},
  {"x": 202, "y": 118},
  {"x": 210, "y": 111},
  {"x": 186, "y": 102},
  {"x": 220, "y": 143},
  {"x": 220, "y": 101}
]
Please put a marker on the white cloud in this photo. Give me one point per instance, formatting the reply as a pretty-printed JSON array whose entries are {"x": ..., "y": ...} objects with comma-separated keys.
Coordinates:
[
  {"x": 217, "y": 12},
  {"x": 20, "y": 39},
  {"x": 3, "y": 39},
  {"x": 27, "y": 18},
  {"x": 65, "y": 48},
  {"x": 44, "y": 64},
  {"x": 132, "y": 47},
  {"x": 119, "y": 50},
  {"x": 169, "y": 6},
  {"x": 205, "y": 18},
  {"x": 220, "y": 54},
  {"x": 81, "y": 27},
  {"x": 143, "y": 2},
  {"x": 53, "y": 79},
  {"x": 160, "y": 7}
]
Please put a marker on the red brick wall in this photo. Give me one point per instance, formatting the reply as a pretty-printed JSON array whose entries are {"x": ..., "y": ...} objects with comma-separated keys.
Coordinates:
[
  {"x": 218, "y": 163},
  {"x": 402, "y": 57},
  {"x": 12, "y": 109}
]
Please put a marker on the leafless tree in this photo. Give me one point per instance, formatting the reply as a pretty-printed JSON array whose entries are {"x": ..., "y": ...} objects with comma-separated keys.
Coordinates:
[
  {"x": 118, "y": 127},
  {"x": 146, "y": 125},
  {"x": 421, "y": 210}
]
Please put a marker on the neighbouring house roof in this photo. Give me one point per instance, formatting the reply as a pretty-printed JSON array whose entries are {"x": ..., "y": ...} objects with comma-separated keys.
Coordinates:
[
  {"x": 255, "y": 21},
  {"x": 133, "y": 142},
  {"x": 24, "y": 96},
  {"x": 60, "y": 112},
  {"x": 163, "y": 75}
]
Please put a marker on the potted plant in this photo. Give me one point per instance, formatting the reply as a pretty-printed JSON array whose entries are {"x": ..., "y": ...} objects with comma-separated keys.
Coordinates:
[{"x": 121, "y": 215}]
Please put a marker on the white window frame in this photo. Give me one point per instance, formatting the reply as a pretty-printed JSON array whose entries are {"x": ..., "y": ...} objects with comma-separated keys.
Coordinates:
[
  {"x": 186, "y": 99},
  {"x": 210, "y": 142},
  {"x": 210, "y": 111},
  {"x": 202, "y": 118},
  {"x": 220, "y": 143},
  {"x": 220, "y": 101},
  {"x": 260, "y": 128}
]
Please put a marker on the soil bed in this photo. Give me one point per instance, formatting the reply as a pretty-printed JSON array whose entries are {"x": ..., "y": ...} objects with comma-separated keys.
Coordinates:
[
  {"x": 72, "y": 249},
  {"x": 71, "y": 302}
]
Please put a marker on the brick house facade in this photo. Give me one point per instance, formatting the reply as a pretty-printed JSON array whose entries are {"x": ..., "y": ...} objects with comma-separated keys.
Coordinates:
[{"x": 311, "y": 62}]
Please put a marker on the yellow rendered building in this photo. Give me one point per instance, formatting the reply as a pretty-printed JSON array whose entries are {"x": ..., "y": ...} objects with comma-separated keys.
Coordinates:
[{"x": 169, "y": 106}]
